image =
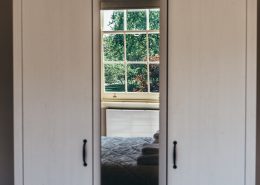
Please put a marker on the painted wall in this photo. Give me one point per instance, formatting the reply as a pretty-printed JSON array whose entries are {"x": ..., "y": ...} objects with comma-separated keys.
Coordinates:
[{"x": 6, "y": 99}]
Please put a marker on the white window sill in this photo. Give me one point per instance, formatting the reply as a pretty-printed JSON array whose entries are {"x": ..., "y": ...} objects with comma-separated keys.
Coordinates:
[{"x": 130, "y": 104}]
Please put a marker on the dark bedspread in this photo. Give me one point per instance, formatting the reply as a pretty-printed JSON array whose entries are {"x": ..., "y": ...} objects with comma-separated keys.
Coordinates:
[{"x": 119, "y": 162}]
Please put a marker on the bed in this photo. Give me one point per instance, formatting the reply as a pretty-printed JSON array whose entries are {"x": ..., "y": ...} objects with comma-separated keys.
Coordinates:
[{"x": 119, "y": 162}]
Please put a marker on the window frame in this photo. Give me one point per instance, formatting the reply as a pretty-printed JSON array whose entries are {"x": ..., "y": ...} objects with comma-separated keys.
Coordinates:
[{"x": 129, "y": 96}]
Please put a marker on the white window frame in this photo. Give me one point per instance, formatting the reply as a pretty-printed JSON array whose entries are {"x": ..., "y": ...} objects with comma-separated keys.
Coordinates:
[{"x": 128, "y": 96}]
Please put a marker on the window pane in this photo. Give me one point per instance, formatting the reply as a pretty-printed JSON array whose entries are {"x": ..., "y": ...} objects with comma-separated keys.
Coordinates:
[
  {"x": 136, "y": 49},
  {"x": 154, "y": 77},
  {"x": 114, "y": 77},
  {"x": 113, "y": 20},
  {"x": 154, "y": 47},
  {"x": 136, "y": 20},
  {"x": 137, "y": 77},
  {"x": 113, "y": 47},
  {"x": 154, "y": 19}
]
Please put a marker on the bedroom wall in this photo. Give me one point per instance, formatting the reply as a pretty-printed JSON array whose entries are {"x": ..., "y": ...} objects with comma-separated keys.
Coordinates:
[{"x": 6, "y": 102}]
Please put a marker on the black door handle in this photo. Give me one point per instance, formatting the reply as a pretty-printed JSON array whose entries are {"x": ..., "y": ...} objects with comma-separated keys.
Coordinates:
[
  {"x": 174, "y": 154},
  {"x": 84, "y": 153}
]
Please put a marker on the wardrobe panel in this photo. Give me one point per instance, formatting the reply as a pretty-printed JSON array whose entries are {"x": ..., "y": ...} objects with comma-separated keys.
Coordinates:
[
  {"x": 206, "y": 95},
  {"x": 57, "y": 91}
]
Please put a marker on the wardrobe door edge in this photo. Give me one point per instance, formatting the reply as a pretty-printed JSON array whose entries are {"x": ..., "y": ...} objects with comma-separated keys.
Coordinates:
[
  {"x": 17, "y": 91},
  {"x": 163, "y": 92},
  {"x": 251, "y": 95},
  {"x": 96, "y": 92}
]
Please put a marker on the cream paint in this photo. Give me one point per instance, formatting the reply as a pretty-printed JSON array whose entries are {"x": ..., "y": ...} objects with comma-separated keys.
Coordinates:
[
  {"x": 212, "y": 85},
  {"x": 53, "y": 91}
]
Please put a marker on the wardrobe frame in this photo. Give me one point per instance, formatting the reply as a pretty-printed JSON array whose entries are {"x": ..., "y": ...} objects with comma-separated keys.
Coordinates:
[{"x": 251, "y": 58}]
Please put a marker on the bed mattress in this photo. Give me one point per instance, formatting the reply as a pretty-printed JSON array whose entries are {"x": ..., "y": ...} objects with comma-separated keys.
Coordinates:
[{"x": 119, "y": 162}]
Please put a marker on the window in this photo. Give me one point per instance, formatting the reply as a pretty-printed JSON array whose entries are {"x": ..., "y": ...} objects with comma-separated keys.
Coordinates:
[{"x": 130, "y": 54}]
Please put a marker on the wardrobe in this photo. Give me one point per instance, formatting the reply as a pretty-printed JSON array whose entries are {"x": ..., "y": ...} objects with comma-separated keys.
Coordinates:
[
  {"x": 53, "y": 96},
  {"x": 207, "y": 92},
  {"x": 211, "y": 91}
]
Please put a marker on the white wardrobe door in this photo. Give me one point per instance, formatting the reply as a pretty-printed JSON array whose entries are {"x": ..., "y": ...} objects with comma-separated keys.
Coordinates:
[
  {"x": 207, "y": 73},
  {"x": 57, "y": 91}
]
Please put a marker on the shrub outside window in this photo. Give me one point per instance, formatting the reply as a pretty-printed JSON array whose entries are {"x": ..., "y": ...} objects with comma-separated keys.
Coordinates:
[{"x": 130, "y": 54}]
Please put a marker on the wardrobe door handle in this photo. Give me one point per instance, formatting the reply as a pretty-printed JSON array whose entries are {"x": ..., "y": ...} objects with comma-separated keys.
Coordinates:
[
  {"x": 84, "y": 153},
  {"x": 174, "y": 154}
]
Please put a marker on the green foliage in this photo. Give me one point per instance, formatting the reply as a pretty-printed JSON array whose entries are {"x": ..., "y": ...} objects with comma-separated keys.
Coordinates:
[
  {"x": 117, "y": 21},
  {"x": 136, "y": 20},
  {"x": 154, "y": 47},
  {"x": 113, "y": 47},
  {"x": 137, "y": 78},
  {"x": 136, "y": 50},
  {"x": 115, "y": 75},
  {"x": 154, "y": 77},
  {"x": 154, "y": 20}
]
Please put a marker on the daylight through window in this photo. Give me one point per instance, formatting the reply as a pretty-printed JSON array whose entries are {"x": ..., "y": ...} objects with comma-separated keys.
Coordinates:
[{"x": 130, "y": 52}]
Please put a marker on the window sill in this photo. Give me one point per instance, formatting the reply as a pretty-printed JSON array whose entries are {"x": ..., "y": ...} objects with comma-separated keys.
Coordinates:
[{"x": 130, "y": 104}]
